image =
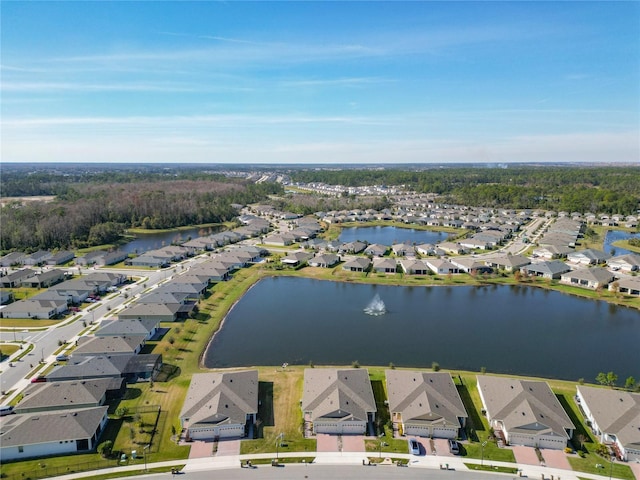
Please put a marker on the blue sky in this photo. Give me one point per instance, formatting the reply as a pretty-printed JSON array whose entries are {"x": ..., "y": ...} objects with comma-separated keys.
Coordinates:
[{"x": 320, "y": 82}]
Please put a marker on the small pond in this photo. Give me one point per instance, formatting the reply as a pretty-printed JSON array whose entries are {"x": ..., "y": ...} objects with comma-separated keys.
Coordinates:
[
  {"x": 614, "y": 236},
  {"x": 151, "y": 241},
  {"x": 507, "y": 329},
  {"x": 391, "y": 235}
]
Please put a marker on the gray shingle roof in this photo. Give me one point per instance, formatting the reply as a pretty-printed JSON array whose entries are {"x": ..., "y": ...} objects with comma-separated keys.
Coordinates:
[
  {"x": 424, "y": 397},
  {"x": 221, "y": 398},
  {"x": 338, "y": 394},
  {"x": 63, "y": 395},
  {"x": 44, "y": 427}
]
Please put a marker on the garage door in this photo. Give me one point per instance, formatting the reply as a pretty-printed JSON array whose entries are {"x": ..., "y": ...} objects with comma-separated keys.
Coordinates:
[
  {"x": 444, "y": 433},
  {"x": 353, "y": 427}
]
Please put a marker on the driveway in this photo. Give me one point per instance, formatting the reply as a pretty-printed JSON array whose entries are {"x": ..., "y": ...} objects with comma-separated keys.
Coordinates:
[
  {"x": 635, "y": 468},
  {"x": 525, "y": 455},
  {"x": 326, "y": 443},
  {"x": 353, "y": 443},
  {"x": 228, "y": 446},
  {"x": 442, "y": 447},
  {"x": 555, "y": 458},
  {"x": 201, "y": 449}
]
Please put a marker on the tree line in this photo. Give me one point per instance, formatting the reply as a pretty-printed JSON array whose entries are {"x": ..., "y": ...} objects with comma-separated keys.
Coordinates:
[
  {"x": 94, "y": 213},
  {"x": 613, "y": 190}
]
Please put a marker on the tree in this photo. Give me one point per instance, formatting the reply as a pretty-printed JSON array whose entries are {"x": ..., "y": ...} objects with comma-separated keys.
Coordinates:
[
  {"x": 122, "y": 412},
  {"x": 629, "y": 383},
  {"x": 106, "y": 448},
  {"x": 608, "y": 378},
  {"x": 435, "y": 366}
]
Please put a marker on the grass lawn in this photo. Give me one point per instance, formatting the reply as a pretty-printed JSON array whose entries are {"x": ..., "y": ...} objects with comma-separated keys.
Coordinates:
[
  {"x": 588, "y": 465},
  {"x": 6, "y": 350},
  {"x": 20, "y": 323},
  {"x": 626, "y": 245}
]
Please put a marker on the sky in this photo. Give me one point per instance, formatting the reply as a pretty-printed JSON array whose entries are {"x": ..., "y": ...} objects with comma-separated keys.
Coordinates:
[{"x": 320, "y": 82}]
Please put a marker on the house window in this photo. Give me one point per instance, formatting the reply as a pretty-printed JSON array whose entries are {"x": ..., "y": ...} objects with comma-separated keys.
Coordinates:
[{"x": 20, "y": 449}]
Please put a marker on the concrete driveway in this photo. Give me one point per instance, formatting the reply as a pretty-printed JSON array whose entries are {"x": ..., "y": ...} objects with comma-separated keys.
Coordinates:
[
  {"x": 326, "y": 443},
  {"x": 201, "y": 449},
  {"x": 353, "y": 443},
  {"x": 442, "y": 447},
  {"x": 525, "y": 455},
  {"x": 555, "y": 458},
  {"x": 635, "y": 468},
  {"x": 228, "y": 446}
]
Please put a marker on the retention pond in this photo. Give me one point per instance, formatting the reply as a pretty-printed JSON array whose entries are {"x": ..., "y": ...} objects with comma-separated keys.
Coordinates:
[{"x": 506, "y": 329}]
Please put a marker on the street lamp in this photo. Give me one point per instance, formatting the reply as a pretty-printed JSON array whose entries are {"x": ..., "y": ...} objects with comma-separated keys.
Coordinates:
[
  {"x": 484, "y": 444},
  {"x": 144, "y": 452}
]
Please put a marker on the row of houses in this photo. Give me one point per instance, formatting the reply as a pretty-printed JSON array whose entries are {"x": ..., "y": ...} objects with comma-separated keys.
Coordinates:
[
  {"x": 423, "y": 404},
  {"x": 58, "y": 297},
  {"x": 39, "y": 258}
]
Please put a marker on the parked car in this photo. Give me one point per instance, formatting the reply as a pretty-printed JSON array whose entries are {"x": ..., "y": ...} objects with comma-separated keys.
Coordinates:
[
  {"x": 6, "y": 410},
  {"x": 62, "y": 357},
  {"x": 454, "y": 447},
  {"x": 414, "y": 447},
  {"x": 38, "y": 379}
]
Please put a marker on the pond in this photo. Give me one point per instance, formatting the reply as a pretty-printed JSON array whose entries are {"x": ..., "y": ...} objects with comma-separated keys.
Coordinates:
[
  {"x": 507, "y": 329},
  {"x": 614, "y": 236},
  {"x": 391, "y": 235},
  {"x": 151, "y": 241}
]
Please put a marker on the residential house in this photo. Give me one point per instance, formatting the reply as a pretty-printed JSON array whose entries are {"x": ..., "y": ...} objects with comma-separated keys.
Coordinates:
[
  {"x": 131, "y": 367},
  {"x": 159, "y": 312},
  {"x": 220, "y": 405},
  {"x": 471, "y": 265},
  {"x": 357, "y": 264},
  {"x": 34, "y": 309},
  {"x": 11, "y": 259},
  {"x": 627, "y": 285},
  {"x": 549, "y": 269},
  {"x": 47, "y": 396},
  {"x": 5, "y": 297},
  {"x": 294, "y": 259},
  {"x": 453, "y": 248},
  {"x": 376, "y": 250},
  {"x": 337, "y": 401},
  {"x": 593, "y": 277},
  {"x": 551, "y": 252},
  {"x": 402, "y": 249},
  {"x": 614, "y": 416},
  {"x": 149, "y": 260},
  {"x": 414, "y": 267},
  {"x": 441, "y": 266},
  {"x": 44, "y": 279},
  {"x": 326, "y": 260},
  {"x": 51, "y": 433},
  {"x": 526, "y": 411},
  {"x": 629, "y": 262},
  {"x": 425, "y": 404},
  {"x": 63, "y": 256},
  {"x": 14, "y": 279},
  {"x": 589, "y": 256},
  {"x": 147, "y": 327},
  {"x": 37, "y": 258},
  {"x": 280, "y": 240},
  {"x": 99, "y": 346},
  {"x": 352, "y": 247},
  {"x": 510, "y": 263},
  {"x": 384, "y": 265}
]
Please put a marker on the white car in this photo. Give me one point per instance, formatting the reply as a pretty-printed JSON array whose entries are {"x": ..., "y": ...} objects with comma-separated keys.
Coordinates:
[{"x": 414, "y": 447}]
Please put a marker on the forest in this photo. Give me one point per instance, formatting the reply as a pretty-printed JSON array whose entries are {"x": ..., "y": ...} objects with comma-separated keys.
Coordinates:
[
  {"x": 97, "y": 211},
  {"x": 574, "y": 189}
]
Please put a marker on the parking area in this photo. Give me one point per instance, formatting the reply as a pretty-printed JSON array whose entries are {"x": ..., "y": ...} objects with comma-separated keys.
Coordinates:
[
  {"x": 525, "y": 455},
  {"x": 326, "y": 443},
  {"x": 353, "y": 443},
  {"x": 555, "y": 458},
  {"x": 228, "y": 447}
]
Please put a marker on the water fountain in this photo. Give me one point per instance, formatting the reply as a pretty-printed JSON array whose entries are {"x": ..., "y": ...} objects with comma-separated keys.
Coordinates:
[{"x": 376, "y": 307}]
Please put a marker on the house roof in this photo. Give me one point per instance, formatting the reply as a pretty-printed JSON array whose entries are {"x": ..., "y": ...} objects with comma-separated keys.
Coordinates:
[
  {"x": 616, "y": 412},
  {"x": 357, "y": 262},
  {"x": 127, "y": 327},
  {"x": 338, "y": 394},
  {"x": 221, "y": 398},
  {"x": 64, "y": 394},
  {"x": 593, "y": 274},
  {"x": 510, "y": 261},
  {"x": 90, "y": 367},
  {"x": 524, "y": 406},
  {"x": 591, "y": 254},
  {"x": 108, "y": 345},
  {"x": 553, "y": 268},
  {"x": 424, "y": 397},
  {"x": 44, "y": 427}
]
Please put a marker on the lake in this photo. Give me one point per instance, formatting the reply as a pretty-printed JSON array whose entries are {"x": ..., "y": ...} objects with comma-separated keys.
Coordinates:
[
  {"x": 151, "y": 241},
  {"x": 615, "y": 235},
  {"x": 391, "y": 235},
  {"x": 507, "y": 329}
]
